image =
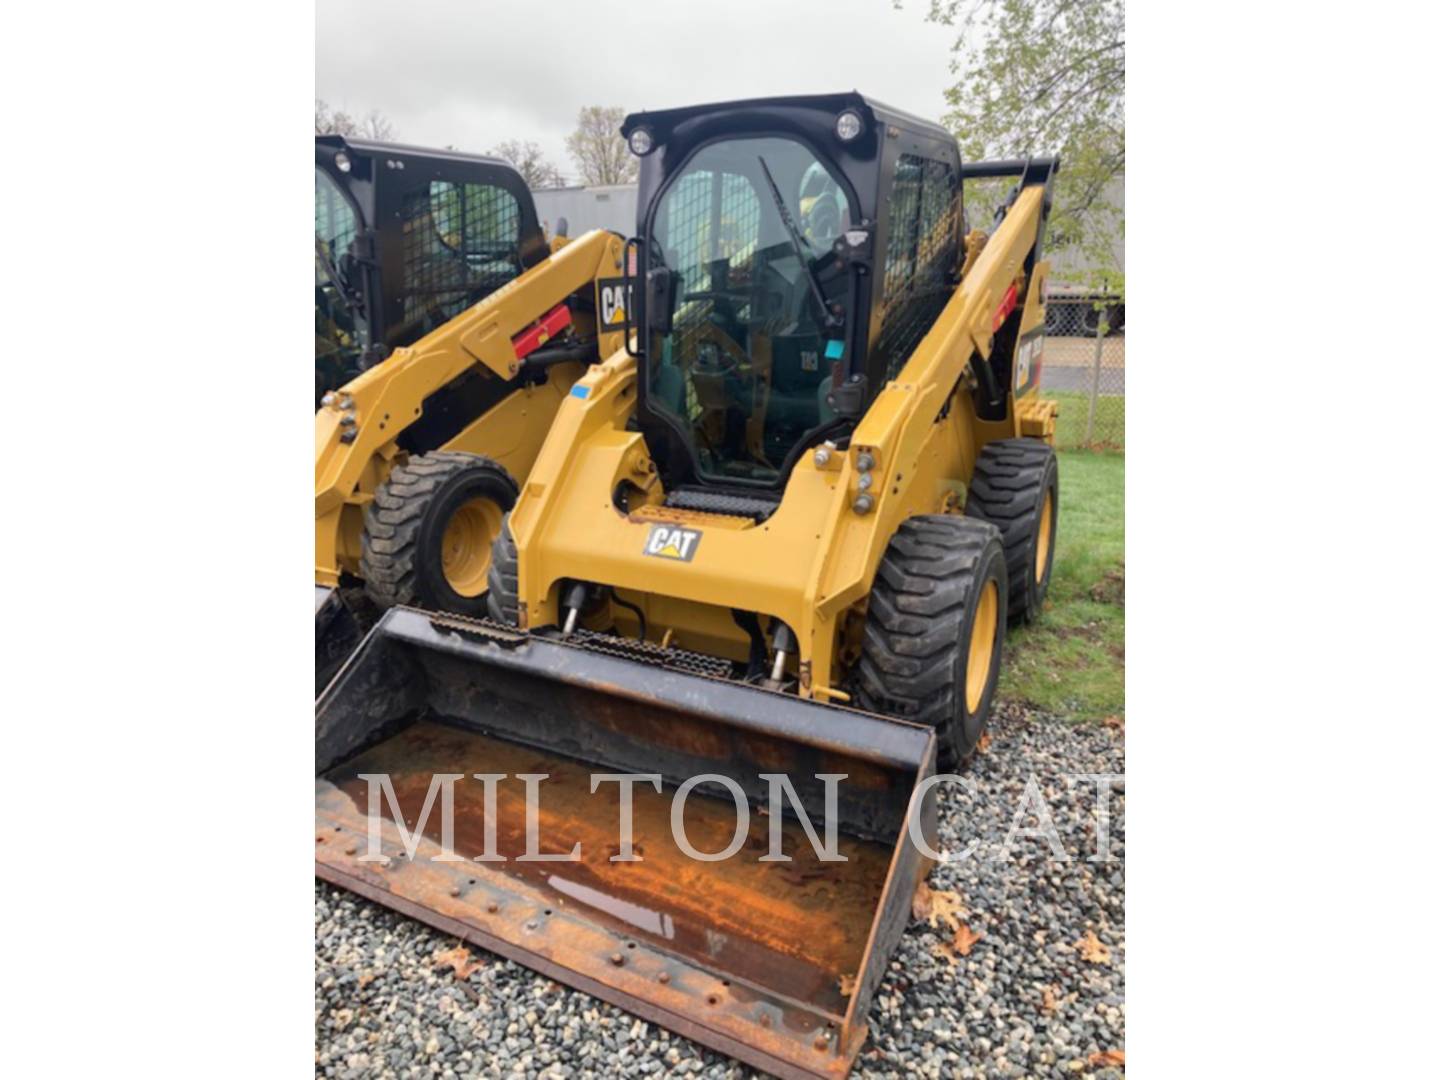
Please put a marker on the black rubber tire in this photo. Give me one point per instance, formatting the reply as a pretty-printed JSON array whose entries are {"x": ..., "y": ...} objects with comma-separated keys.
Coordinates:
[
  {"x": 504, "y": 594},
  {"x": 1008, "y": 490},
  {"x": 400, "y": 558},
  {"x": 916, "y": 645}
]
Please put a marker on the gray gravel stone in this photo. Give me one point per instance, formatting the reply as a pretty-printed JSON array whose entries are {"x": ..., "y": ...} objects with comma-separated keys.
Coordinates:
[{"x": 382, "y": 1009}]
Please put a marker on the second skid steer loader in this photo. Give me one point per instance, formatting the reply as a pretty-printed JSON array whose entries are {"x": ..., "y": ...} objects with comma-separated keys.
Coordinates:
[
  {"x": 418, "y": 457},
  {"x": 761, "y": 570}
]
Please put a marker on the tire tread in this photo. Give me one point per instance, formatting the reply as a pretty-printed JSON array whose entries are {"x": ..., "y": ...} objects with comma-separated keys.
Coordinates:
[
  {"x": 1008, "y": 490},
  {"x": 909, "y": 663},
  {"x": 390, "y": 539}
]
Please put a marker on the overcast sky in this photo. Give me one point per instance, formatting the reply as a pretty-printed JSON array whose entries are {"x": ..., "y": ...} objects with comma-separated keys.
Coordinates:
[{"x": 470, "y": 73}]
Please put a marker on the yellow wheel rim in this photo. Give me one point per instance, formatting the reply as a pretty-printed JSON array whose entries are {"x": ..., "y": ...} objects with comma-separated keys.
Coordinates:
[
  {"x": 465, "y": 547},
  {"x": 1042, "y": 545},
  {"x": 982, "y": 646}
]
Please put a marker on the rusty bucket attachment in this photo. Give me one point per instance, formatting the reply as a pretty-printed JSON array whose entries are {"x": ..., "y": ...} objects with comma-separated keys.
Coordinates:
[
  {"x": 337, "y": 632},
  {"x": 771, "y": 961}
]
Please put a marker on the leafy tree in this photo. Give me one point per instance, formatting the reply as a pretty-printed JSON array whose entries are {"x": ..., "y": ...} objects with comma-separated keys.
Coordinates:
[
  {"x": 1041, "y": 77},
  {"x": 531, "y": 162},
  {"x": 373, "y": 125},
  {"x": 600, "y": 153}
]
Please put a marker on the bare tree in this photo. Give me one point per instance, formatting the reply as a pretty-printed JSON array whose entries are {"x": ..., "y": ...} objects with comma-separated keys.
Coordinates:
[
  {"x": 377, "y": 126},
  {"x": 531, "y": 162},
  {"x": 373, "y": 125},
  {"x": 598, "y": 149}
]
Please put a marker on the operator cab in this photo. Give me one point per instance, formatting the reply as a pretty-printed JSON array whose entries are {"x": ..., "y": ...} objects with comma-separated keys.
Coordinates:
[
  {"x": 406, "y": 238},
  {"x": 795, "y": 250}
]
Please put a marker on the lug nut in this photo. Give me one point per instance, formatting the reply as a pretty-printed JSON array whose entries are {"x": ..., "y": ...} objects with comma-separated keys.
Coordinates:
[
  {"x": 329, "y": 398},
  {"x": 865, "y": 462},
  {"x": 862, "y": 504},
  {"x": 617, "y": 959},
  {"x": 822, "y": 456},
  {"x": 865, "y": 481}
]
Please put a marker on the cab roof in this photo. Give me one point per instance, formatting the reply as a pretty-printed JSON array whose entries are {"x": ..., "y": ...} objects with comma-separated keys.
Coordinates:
[
  {"x": 662, "y": 122},
  {"x": 372, "y": 148}
]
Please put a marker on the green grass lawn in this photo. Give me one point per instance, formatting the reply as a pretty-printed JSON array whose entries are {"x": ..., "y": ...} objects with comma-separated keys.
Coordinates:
[
  {"x": 1071, "y": 661},
  {"x": 1075, "y": 408}
]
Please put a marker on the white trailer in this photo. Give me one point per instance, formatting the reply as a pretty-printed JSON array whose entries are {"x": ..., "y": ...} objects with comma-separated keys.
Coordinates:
[{"x": 584, "y": 208}]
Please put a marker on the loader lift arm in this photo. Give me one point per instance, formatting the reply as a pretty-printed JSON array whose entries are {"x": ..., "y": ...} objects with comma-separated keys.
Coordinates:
[{"x": 902, "y": 423}]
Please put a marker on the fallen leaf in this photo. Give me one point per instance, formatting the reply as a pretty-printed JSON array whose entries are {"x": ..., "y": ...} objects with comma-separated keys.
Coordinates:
[
  {"x": 1093, "y": 949},
  {"x": 965, "y": 939},
  {"x": 847, "y": 985},
  {"x": 1101, "y": 1058},
  {"x": 960, "y": 944},
  {"x": 940, "y": 908},
  {"x": 947, "y": 909},
  {"x": 365, "y": 979},
  {"x": 920, "y": 903},
  {"x": 1116, "y": 722},
  {"x": 459, "y": 960},
  {"x": 984, "y": 743},
  {"x": 1049, "y": 1004}
]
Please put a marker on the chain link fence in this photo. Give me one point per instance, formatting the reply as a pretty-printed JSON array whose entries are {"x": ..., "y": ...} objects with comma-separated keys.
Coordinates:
[{"x": 1084, "y": 370}]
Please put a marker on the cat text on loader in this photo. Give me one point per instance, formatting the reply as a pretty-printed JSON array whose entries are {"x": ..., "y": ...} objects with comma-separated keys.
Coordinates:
[
  {"x": 765, "y": 559},
  {"x": 418, "y": 458}
]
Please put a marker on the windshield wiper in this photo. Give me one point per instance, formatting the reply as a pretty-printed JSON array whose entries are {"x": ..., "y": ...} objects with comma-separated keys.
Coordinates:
[{"x": 831, "y": 322}]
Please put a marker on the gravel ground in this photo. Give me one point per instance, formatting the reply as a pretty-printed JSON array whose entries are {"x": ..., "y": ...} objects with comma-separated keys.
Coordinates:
[{"x": 1025, "y": 1000}]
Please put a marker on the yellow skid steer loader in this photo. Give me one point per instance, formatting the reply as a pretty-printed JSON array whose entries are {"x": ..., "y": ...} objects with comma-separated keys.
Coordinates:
[{"x": 751, "y": 595}]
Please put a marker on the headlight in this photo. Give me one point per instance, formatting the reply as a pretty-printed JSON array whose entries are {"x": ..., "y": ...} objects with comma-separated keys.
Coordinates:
[
  {"x": 641, "y": 142},
  {"x": 848, "y": 125},
  {"x": 342, "y": 161}
]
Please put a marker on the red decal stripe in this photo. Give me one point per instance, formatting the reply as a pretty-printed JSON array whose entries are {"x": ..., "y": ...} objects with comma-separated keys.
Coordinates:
[
  {"x": 546, "y": 328},
  {"x": 1006, "y": 307}
]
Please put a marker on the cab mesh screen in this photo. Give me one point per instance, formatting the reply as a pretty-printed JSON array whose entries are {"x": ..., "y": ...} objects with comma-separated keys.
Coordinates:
[
  {"x": 921, "y": 253},
  {"x": 462, "y": 242}
]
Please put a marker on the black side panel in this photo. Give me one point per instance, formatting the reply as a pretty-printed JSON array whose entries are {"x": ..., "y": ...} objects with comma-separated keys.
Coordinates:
[{"x": 447, "y": 411}]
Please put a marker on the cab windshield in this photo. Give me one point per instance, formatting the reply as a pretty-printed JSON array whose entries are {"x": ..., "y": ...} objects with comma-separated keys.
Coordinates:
[
  {"x": 339, "y": 334},
  {"x": 744, "y": 369}
]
